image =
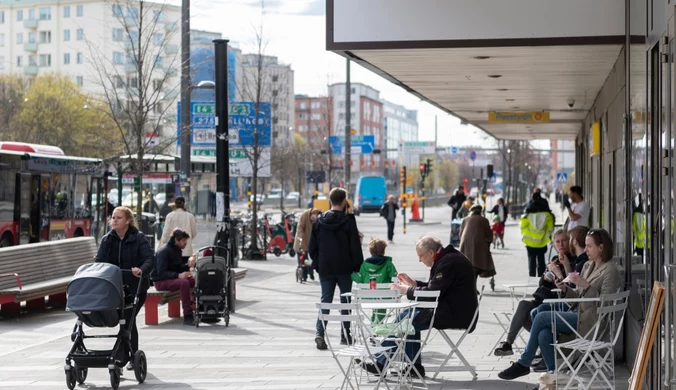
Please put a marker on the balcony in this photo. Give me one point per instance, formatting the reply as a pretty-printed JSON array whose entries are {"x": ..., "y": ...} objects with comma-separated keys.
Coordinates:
[
  {"x": 130, "y": 68},
  {"x": 30, "y": 70},
  {"x": 171, "y": 49},
  {"x": 30, "y": 47},
  {"x": 31, "y": 24}
]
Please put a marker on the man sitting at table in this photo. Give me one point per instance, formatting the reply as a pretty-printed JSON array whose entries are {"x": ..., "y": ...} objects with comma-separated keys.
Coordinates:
[
  {"x": 452, "y": 274},
  {"x": 170, "y": 274}
]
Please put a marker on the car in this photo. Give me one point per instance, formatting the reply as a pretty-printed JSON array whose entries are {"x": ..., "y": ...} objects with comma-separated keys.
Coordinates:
[
  {"x": 260, "y": 198},
  {"x": 275, "y": 193},
  {"x": 293, "y": 195}
]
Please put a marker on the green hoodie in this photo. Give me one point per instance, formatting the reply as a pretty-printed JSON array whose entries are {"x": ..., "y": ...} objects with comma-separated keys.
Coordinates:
[{"x": 379, "y": 266}]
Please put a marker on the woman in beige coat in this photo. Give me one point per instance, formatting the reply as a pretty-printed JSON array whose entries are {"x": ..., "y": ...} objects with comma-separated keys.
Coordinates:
[
  {"x": 599, "y": 276},
  {"x": 180, "y": 218},
  {"x": 302, "y": 240},
  {"x": 476, "y": 237}
]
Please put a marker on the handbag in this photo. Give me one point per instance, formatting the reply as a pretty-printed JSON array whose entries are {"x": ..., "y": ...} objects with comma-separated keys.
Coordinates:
[{"x": 543, "y": 293}]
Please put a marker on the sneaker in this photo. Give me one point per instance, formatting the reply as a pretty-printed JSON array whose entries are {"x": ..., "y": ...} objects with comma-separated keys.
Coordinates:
[
  {"x": 188, "y": 319},
  {"x": 312, "y": 276},
  {"x": 346, "y": 340},
  {"x": 540, "y": 367},
  {"x": 505, "y": 349},
  {"x": 321, "y": 344},
  {"x": 373, "y": 369},
  {"x": 130, "y": 366},
  {"x": 514, "y": 371}
]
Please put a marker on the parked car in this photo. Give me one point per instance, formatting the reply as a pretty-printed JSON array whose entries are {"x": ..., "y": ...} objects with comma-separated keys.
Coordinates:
[
  {"x": 260, "y": 198},
  {"x": 293, "y": 195},
  {"x": 275, "y": 193}
]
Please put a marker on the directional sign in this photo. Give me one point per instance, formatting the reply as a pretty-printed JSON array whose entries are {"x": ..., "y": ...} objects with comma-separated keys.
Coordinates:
[
  {"x": 493, "y": 179},
  {"x": 419, "y": 147},
  {"x": 472, "y": 155},
  {"x": 561, "y": 177},
  {"x": 518, "y": 117},
  {"x": 360, "y": 144},
  {"x": 453, "y": 150}
]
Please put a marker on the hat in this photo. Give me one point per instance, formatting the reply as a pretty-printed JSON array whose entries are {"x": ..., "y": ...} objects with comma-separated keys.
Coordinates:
[
  {"x": 476, "y": 208},
  {"x": 496, "y": 218}
]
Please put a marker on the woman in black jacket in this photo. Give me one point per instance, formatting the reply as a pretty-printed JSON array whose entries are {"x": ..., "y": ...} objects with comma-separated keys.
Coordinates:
[{"x": 126, "y": 247}]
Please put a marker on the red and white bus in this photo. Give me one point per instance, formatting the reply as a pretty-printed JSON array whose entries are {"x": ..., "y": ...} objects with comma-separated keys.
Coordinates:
[{"x": 46, "y": 195}]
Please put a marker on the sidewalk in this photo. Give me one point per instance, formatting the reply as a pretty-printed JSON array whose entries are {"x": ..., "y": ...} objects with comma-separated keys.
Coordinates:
[{"x": 269, "y": 344}]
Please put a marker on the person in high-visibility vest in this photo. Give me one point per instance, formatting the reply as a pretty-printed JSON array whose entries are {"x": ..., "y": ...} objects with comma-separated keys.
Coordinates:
[
  {"x": 638, "y": 228},
  {"x": 536, "y": 227}
]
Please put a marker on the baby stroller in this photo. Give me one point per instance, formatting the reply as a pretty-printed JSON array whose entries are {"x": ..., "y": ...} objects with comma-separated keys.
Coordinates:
[
  {"x": 455, "y": 231},
  {"x": 98, "y": 297},
  {"x": 303, "y": 263},
  {"x": 214, "y": 295}
]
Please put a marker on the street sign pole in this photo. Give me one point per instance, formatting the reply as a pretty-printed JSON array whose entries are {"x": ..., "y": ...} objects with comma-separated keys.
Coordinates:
[{"x": 222, "y": 152}]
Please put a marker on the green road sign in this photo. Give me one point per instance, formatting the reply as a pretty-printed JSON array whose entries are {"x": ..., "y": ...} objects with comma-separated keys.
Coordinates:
[{"x": 206, "y": 109}]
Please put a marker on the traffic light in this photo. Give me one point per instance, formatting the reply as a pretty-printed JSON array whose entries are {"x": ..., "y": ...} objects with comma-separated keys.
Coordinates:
[
  {"x": 423, "y": 170},
  {"x": 489, "y": 171},
  {"x": 428, "y": 166},
  {"x": 402, "y": 178}
]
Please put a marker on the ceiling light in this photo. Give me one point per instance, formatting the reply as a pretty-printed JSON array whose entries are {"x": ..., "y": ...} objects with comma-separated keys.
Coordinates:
[
  {"x": 503, "y": 89},
  {"x": 495, "y": 76},
  {"x": 481, "y": 57},
  {"x": 516, "y": 108},
  {"x": 509, "y": 100}
]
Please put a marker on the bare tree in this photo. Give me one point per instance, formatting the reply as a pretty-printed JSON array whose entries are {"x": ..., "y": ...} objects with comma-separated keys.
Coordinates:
[{"x": 138, "y": 84}]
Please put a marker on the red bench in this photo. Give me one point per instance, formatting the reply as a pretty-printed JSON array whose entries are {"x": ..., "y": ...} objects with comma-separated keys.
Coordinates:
[
  {"x": 29, "y": 273},
  {"x": 156, "y": 298}
]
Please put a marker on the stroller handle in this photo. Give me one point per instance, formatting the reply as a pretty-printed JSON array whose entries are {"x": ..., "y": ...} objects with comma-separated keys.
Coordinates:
[{"x": 212, "y": 247}]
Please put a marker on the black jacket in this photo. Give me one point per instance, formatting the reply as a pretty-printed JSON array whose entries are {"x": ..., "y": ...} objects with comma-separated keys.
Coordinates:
[
  {"x": 452, "y": 274},
  {"x": 127, "y": 253},
  {"x": 334, "y": 244},
  {"x": 169, "y": 262},
  {"x": 457, "y": 200},
  {"x": 385, "y": 209},
  {"x": 165, "y": 210}
]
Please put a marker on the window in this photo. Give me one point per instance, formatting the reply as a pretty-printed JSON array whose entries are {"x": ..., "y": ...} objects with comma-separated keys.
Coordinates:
[
  {"x": 80, "y": 34},
  {"x": 31, "y": 14},
  {"x": 157, "y": 108},
  {"x": 157, "y": 84},
  {"x": 79, "y": 79},
  {"x": 31, "y": 60},
  {"x": 19, "y": 38},
  {"x": 117, "y": 10},
  {"x": 159, "y": 62},
  {"x": 158, "y": 16},
  {"x": 275, "y": 78},
  {"x": 2, "y": 17},
  {"x": 119, "y": 83},
  {"x": 45, "y": 36},
  {"x": 45, "y": 13},
  {"x": 66, "y": 11},
  {"x": 19, "y": 15},
  {"x": 31, "y": 37},
  {"x": 79, "y": 10},
  {"x": 302, "y": 117},
  {"x": 66, "y": 35},
  {"x": 19, "y": 61},
  {"x": 66, "y": 58},
  {"x": 132, "y": 82},
  {"x": 132, "y": 13},
  {"x": 133, "y": 37},
  {"x": 118, "y": 58},
  {"x": 2, "y": 39},
  {"x": 352, "y": 91},
  {"x": 78, "y": 58},
  {"x": 45, "y": 60},
  {"x": 316, "y": 105},
  {"x": 316, "y": 116},
  {"x": 118, "y": 35},
  {"x": 303, "y": 105},
  {"x": 302, "y": 128},
  {"x": 158, "y": 38}
]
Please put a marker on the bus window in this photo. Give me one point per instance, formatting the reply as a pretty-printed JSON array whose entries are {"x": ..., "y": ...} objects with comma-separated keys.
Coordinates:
[
  {"x": 24, "y": 207},
  {"x": 82, "y": 197},
  {"x": 60, "y": 195},
  {"x": 7, "y": 185}
]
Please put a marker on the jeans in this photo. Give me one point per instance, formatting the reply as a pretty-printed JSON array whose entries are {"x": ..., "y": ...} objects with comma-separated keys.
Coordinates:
[
  {"x": 547, "y": 307},
  {"x": 307, "y": 271},
  {"x": 328, "y": 284},
  {"x": 536, "y": 256},
  {"x": 521, "y": 319},
  {"x": 412, "y": 341},
  {"x": 185, "y": 286},
  {"x": 390, "y": 230},
  {"x": 541, "y": 336}
]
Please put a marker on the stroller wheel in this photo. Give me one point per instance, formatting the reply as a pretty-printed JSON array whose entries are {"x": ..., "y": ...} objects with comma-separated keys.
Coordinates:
[
  {"x": 80, "y": 374},
  {"x": 140, "y": 366},
  {"x": 114, "y": 379},
  {"x": 70, "y": 378}
]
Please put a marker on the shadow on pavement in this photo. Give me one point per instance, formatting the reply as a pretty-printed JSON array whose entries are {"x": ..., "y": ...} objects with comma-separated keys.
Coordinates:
[
  {"x": 483, "y": 384},
  {"x": 276, "y": 324}
]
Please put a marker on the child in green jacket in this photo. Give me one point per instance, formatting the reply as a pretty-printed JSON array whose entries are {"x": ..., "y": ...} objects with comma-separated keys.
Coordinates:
[{"x": 378, "y": 266}]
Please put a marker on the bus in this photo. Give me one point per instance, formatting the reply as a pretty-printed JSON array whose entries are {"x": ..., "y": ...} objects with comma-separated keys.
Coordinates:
[{"x": 46, "y": 195}]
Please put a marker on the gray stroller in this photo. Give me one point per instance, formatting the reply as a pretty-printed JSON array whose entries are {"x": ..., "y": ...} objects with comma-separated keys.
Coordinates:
[
  {"x": 97, "y": 296},
  {"x": 214, "y": 295}
]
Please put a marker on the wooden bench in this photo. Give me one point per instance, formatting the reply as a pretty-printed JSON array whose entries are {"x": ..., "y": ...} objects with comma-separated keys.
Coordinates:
[
  {"x": 173, "y": 300},
  {"x": 29, "y": 273}
]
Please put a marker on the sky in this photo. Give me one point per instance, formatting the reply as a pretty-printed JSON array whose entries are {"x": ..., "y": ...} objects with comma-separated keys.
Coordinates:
[{"x": 295, "y": 32}]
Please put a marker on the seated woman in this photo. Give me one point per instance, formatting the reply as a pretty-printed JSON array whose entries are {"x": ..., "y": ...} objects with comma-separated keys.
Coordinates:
[
  {"x": 170, "y": 274},
  {"x": 599, "y": 276},
  {"x": 452, "y": 274}
]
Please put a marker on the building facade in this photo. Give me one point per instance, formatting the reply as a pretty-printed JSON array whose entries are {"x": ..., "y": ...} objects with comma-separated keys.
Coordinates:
[{"x": 401, "y": 125}]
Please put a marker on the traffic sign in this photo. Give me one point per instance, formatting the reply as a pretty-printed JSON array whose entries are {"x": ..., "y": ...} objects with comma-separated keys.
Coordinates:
[
  {"x": 561, "y": 177},
  {"x": 472, "y": 155},
  {"x": 360, "y": 144},
  {"x": 419, "y": 147},
  {"x": 453, "y": 150},
  {"x": 315, "y": 176},
  {"x": 494, "y": 178}
]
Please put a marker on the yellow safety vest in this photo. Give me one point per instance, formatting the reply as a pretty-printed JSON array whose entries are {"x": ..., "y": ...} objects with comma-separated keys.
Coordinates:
[
  {"x": 638, "y": 228},
  {"x": 536, "y": 229}
]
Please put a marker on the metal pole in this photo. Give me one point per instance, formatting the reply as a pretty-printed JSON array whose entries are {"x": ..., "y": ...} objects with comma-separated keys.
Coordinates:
[
  {"x": 222, "y": 146},
  {"x": 348, "y": 126},
  {"x": 185, "y": 100},
  {"x": 436, "y": 158}
]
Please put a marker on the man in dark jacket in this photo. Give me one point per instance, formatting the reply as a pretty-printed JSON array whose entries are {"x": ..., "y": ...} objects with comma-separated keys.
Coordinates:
[
  {"x": 453, "y": 275},
  {"x": 170, "y": 274},
  {"x": 456, "y": 201},
  {"x": 335, "y": 250},
  {"x": 389, "y": 212}
]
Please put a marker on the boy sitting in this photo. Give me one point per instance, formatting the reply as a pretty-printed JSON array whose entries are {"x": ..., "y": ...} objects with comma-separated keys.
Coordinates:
[{"x": 378, "y": 266}]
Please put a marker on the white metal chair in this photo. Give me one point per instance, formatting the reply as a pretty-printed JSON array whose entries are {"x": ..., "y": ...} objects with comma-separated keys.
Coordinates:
[
  {"x": 367, "y": 286},
  {"x": 455, "y": 347},
  {"x": 379, "y": 315},
  {"x": 593, "y": 353},
  {"x": 360, "y": 349},
  {"x": 517, "y": 292}
]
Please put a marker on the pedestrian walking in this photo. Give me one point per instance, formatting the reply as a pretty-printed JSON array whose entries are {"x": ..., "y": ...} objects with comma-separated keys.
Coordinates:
[
  {"x": 302, "y": 239},
  {"x": 335, "y": 249},
  {"x": 456, "y": 201},
  {"x": 180, "y": 218},
  {"x": 476, "y": 237},
  {"x": 389, "y": 212},
  {"x": 536, "y": 226}
]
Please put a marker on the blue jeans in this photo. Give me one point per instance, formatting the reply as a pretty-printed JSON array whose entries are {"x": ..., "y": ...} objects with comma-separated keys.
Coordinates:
[
  {"x": 412, "y": 341},
  {"x": 328, "y": 284},
  {"x": 547, "y": 307},
  {"x": 541, "y": 335}
]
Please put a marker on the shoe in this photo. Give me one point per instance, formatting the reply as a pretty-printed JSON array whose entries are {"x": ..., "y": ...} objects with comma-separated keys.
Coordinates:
[
  {"x": 312, "y": 276},
  {"x": 540, "y": 367},
  {"x": 373, "y": 368},
  {"x": 418, "y": 371},
  {"x": 130, "y": 366},
  {"x": 346, "y": 340},
  {"x": 188, "y": 319},
  {"x": 505, "y": 349},
  {"x": 537, "y": 356},
  {"x": 514, "y": 371},
  {"x": 321, "y": 344},
  {"x": 548, "y": 380}
]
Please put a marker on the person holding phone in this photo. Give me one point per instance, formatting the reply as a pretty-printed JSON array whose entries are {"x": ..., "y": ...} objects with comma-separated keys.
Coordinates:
[{"x": 578, "y": 210}]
